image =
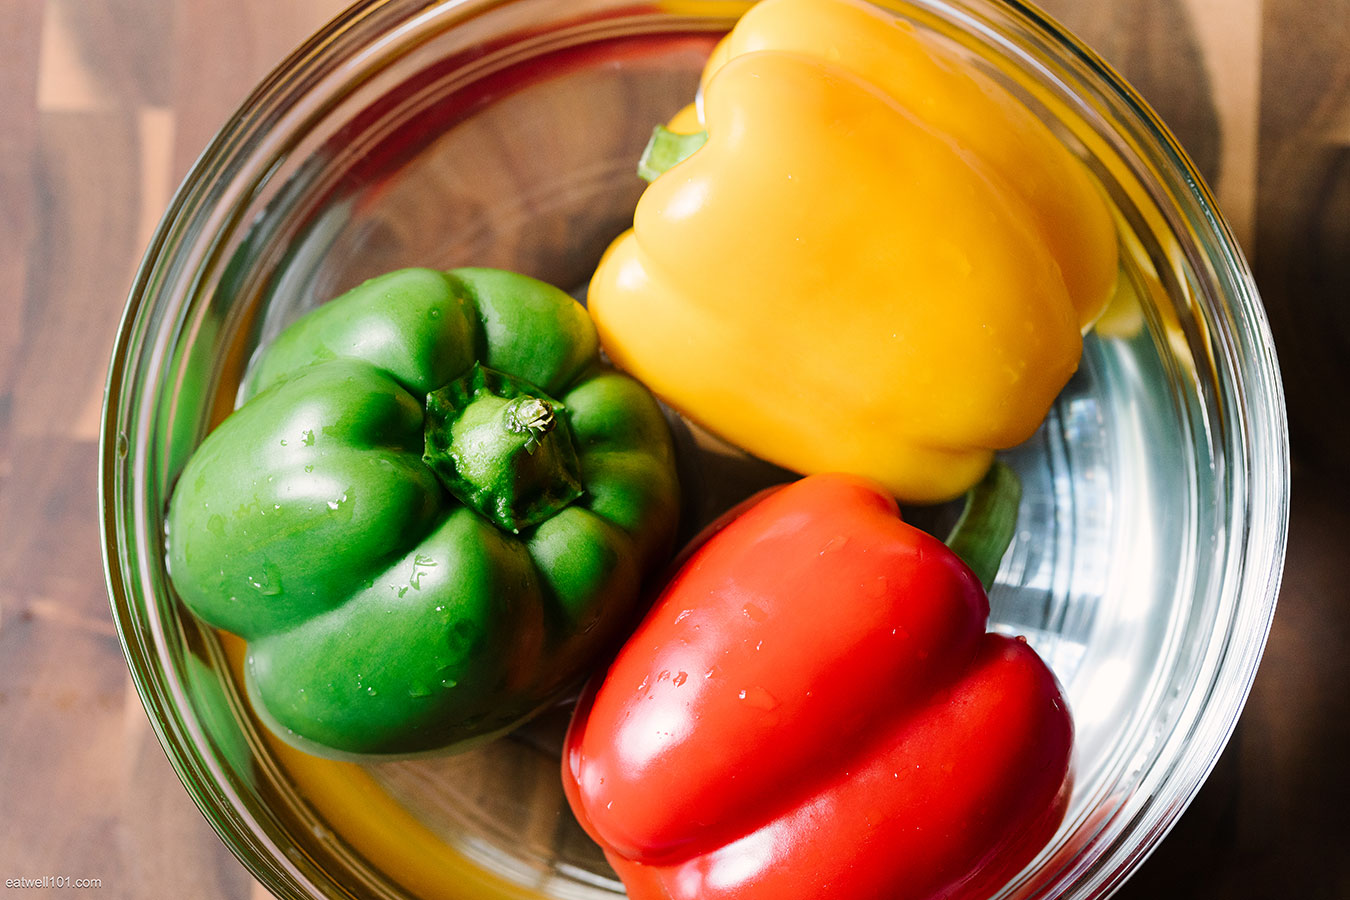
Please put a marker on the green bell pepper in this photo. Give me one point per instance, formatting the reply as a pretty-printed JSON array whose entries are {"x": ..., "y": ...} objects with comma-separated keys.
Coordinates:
[{"x": 430, "y": 515}]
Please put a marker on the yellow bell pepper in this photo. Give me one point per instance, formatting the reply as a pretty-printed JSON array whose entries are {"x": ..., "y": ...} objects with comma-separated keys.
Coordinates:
[{"x": 879, "y": 262}]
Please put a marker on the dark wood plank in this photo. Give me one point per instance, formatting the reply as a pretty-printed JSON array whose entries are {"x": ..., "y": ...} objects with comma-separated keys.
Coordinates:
[
  {"x": 1154, "y": 45},
  {"x": 62, "y": 707},
  {"x": 1303, "y": 264},
  {"x": 1197, "y": 64},
  {"x": 86, "y": 168},
  {"x": 81, "y": 261},
  {"x": 115, "y": 48},
  {"x": 222, "y": 48},
  {"x": 20, "y": 30}
]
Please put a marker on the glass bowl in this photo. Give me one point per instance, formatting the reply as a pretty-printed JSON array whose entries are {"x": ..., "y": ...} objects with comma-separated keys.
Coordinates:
[{"x": 504, "y": 133}]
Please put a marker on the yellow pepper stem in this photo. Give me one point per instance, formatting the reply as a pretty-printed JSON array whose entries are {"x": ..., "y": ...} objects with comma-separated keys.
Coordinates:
[{"x": 665, "y": 149}]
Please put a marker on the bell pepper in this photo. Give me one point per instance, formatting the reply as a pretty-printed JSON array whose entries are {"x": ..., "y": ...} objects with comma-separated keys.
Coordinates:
[
  {"x": 813, "y": 708},
  {"x": 879, "y": 261},
  {"x": 430, "y": 516}
]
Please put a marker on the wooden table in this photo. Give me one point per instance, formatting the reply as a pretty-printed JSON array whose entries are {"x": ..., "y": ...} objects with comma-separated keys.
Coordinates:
[{"x": 103, "y": 106}]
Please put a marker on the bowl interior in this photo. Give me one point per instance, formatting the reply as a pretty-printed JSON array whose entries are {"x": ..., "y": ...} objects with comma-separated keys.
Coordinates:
[{"x": 505, "y": 134}]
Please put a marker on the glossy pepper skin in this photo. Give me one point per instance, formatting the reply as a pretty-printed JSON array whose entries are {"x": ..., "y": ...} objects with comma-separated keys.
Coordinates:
[
  {"x": 875, "y": 241},
  {"x": 813, "y": 709},
  {"x": 417, "y": 558}
]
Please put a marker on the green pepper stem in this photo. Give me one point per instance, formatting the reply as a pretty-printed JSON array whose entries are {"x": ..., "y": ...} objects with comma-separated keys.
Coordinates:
[
  {"x": 987, "y": 524},
  {"x": 501, "y": 449},
  {"x": 532, "y": 416},
  {"x": 665, "y": 149}
]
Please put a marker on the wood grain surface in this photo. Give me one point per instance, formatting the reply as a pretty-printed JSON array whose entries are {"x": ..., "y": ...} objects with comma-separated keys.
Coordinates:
[{"x": 105, "y": 103}]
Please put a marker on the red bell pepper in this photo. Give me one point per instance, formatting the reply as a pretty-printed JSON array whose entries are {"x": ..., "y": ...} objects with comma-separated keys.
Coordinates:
[{"x": 814, "y": 709}]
